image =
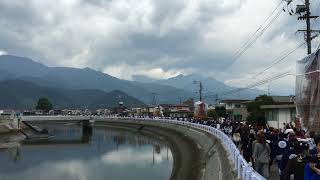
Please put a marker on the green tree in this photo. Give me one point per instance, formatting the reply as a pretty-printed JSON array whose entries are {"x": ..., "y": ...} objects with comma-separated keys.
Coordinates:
[
  {"x": 256, "y": 115},
  {"x": 212, "y": 113},
  {"x": 44, "y": 104},
  {"x": 221, "y": 111}
]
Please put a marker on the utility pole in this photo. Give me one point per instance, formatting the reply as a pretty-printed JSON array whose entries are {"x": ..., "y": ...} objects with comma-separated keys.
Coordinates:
[
  {"x": 200, "y": 90},
  {"x": 154, "y": 99},
  {"x": 217, "y": 99},
  {"x": 308, "y": 26},
  {"x": 307, "y": 17}
]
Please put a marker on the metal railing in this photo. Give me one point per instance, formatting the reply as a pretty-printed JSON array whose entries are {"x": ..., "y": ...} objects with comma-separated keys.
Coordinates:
[{"x": 243, "y": 169}]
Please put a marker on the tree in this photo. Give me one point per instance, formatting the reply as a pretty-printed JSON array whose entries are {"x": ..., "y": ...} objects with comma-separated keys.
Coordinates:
[
  {"x": 44, "y": 104},
  {"x": 256, "y": 115},
  {"x": 212, "y": 113},
  {"x": 221, "y": 111}
]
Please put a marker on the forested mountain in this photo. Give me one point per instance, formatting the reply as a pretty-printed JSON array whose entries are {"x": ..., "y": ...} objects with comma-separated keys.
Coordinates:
[{"x": 18, "y": 94}]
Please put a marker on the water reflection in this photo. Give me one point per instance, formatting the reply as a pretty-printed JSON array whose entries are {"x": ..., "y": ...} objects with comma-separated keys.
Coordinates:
[{"x": 108, "y": 154}]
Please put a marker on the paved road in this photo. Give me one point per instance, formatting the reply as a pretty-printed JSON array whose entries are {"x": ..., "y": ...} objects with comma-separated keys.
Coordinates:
[{"x": 274, "y": 175}]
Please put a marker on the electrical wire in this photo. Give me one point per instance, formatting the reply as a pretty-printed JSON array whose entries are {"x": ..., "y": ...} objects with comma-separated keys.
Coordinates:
[
  {"x": 268, "y": 80},
  {"x": 280, "y": 60},
  {"x": 259, "y": 83},
  {"x": 260, "y": 31},
  {"x": 253, "y": 41}
]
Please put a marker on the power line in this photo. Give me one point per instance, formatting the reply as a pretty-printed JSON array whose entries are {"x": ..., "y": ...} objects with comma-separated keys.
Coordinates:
[
  {"x": 280, "y": 60},
  {"x": 260, "y": 27},
  {"x": 283, "y": 58},
  {"x": 254, "y": 38},
  {"x": 259, "y": 83}
]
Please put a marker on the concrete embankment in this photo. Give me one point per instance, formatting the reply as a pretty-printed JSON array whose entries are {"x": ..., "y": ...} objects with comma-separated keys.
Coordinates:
[
  {"x": 197, "y": 155},
  {"x": 10, "y": 137}
]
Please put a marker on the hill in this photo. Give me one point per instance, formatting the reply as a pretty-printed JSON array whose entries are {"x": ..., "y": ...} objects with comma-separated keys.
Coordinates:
[
  {"x": 18, "y": 94},
  {"x": 73, "y": 78},
  {"x": 211, "y": 87},
  {"x": 165, "y": 91}
]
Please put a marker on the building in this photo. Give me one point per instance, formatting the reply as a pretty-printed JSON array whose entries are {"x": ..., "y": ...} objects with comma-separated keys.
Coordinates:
[
  {"x": 236, "y": 108},
  {"x": 180, "y": 110},
  {"x": 280, "y": 113},
  {"x": 166, "y": 110},
  {"x": 140, "y": 111},
  {"x": 103, "y": 112}
]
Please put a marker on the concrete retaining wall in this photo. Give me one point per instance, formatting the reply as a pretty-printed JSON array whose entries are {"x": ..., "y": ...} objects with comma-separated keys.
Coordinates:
[{"x": 211, "y": 160}]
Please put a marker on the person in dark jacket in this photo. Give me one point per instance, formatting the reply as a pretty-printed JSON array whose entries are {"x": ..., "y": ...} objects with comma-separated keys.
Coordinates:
[
  {"x": 295, "y": 166},
  {"x": 289, "y": 154},
  {"x": 245, "y": 148},
  {"x": 281, "y": 146},
  {"x": 252, "y": 138},
  {"x": 312, "y": 168}
]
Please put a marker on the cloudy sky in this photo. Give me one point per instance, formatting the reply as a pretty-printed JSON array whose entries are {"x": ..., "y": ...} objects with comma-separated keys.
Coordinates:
[{"x": 155, "y": 38}]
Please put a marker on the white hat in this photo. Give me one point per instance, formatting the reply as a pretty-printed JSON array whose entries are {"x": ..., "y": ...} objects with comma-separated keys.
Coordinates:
[{"x": 287, "y": 131}]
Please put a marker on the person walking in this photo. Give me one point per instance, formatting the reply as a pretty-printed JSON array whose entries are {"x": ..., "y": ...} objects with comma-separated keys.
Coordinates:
[
  {"x": 245, "y": 149},
  {"x": 294, "y": 169},
  {"x": 261, "y": 155}
]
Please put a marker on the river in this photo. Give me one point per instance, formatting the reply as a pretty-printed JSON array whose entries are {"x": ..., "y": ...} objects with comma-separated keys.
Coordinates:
[{"x": 105, "y": 154}]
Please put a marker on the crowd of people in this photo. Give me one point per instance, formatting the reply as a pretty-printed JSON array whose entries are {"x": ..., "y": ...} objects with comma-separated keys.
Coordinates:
[{"x": 295, "y": 153}]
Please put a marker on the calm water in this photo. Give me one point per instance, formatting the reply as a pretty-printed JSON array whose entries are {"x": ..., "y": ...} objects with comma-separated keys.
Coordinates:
[{"x": 108, "y": 154}]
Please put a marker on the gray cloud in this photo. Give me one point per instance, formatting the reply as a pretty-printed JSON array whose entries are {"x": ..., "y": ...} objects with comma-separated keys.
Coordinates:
[{"x": 150, "y": 37}]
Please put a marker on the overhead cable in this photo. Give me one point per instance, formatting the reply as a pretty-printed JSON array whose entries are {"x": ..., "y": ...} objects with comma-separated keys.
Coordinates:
[
  {"x": 280, "y": 60},
  {"x": 259, "y": 83},
  {"x": 258, "y": 33}
]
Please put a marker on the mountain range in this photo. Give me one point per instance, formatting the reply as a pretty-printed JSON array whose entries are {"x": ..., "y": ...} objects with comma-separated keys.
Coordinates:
[
  {"x": 72, "y": 80},
  {"x": 19, "y": 94}
]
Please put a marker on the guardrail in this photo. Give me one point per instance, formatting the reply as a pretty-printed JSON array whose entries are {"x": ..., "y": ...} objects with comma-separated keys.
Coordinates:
[{"x": 244, "y": 170}]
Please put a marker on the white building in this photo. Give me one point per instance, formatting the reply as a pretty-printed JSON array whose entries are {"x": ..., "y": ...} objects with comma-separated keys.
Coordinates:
[
  {"x": 278, "y": 115},
  {"x": 236, "y": 108},
  {"x": 231, "y": 104}
]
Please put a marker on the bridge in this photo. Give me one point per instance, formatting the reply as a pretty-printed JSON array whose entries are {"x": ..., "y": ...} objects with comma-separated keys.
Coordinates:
[
  {"x": 55, "y": 118},
  {"x": 86, "y": 125}
]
